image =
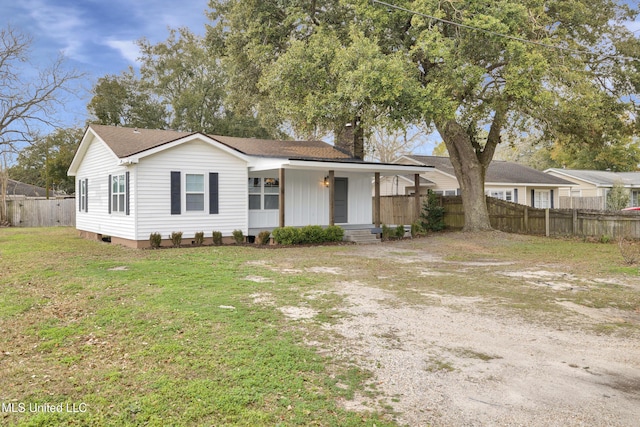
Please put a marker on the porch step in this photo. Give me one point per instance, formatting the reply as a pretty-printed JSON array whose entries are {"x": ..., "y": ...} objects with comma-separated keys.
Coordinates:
[{"x": 361, "y": 237}]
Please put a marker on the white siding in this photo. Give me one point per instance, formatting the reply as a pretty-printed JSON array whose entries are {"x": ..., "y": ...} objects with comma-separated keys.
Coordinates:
[
  {"x": 99, "y": 162},
  {"x": 154, "y": 181},
  {"x": 307, "y": 199}
]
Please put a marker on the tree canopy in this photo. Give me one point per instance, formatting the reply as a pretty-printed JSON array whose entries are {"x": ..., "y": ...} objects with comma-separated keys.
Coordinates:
[
  {"x": 180, "y": 86},
  {"x": 567, "y": 69}
]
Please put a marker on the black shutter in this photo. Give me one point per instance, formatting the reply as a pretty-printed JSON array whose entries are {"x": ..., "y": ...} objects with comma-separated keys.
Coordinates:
[
  {"x": 515, "y": 195},
  {"x": 86, "y": 196},
  {"x": 126, "y": 189},
  {"x": 175, "y": 193},
  {"x": 110, "y": 183},
  {"x": 79, "y": 195},
  {"x": 213, "y": 193},
  {"x": 551, "y": 202},
  {"x": 533, "y": 198}
]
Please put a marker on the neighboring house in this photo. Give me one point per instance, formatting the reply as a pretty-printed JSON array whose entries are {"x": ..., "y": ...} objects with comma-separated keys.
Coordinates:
[
  {"x": 594, "y": 185},
  {"x": 504, "y": 180},
  {"x": 17, "y": 190},
  {"x": 134, "y": 182}
]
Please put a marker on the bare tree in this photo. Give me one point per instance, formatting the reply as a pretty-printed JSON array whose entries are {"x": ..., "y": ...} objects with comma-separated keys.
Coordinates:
[
  {"x": 387, "y": 145},
  {"x": 28, "y": 101}
]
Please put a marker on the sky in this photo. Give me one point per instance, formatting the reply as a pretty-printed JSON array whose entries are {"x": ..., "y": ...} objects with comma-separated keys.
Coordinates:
[{"x": 97, "y": 37}]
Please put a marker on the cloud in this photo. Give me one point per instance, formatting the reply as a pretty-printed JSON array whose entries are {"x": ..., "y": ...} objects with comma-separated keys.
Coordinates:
[{"x": 128, "y": 49}]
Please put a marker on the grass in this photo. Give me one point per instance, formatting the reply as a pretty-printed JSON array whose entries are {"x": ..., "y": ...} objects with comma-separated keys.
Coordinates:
[
  {"x": 150, "y": 344},
  {"x": 174, "y": 336}
]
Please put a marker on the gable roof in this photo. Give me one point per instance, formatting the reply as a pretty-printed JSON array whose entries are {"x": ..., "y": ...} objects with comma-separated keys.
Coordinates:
[
  {"x": 17, "y": 188},
  {"x": 600, "y": 178},
  {"x": 125, "y": 142},
  {"x": 498, "y": 172}
]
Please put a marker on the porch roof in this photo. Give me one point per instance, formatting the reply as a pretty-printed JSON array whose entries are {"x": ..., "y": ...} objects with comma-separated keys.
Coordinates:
[{"x": 346, "y": 165}]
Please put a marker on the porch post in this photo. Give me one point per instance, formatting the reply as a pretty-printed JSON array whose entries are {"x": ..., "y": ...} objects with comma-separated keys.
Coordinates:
[
  {"x": 332, "y": 201},
  {"x": 416, "y": 183},
  {"x": 376, "y": 200},
  {"x": 281, "y": 197}
]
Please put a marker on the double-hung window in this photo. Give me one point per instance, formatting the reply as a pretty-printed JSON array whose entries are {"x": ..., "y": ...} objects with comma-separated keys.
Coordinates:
[
  {"x": 194, "y": 192},
  {"x": 264, "y": 193},
  {"x": 118, "y": 193}
]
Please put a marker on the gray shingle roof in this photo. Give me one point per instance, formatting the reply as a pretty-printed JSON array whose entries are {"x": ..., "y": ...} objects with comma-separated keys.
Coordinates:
[
  {"x": 17, "y": 188},
  {"x": 602, "y": 178},
  {"x": 499, "y": 172},
  {"x": 126, "y": 142}
]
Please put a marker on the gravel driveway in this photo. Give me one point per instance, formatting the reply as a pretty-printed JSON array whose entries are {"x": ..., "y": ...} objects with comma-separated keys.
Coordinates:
[{"x": 444, "y": 360}]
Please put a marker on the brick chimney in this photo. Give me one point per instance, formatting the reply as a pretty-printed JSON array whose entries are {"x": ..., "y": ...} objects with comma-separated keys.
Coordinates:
[{"x": 351, "y": 140}]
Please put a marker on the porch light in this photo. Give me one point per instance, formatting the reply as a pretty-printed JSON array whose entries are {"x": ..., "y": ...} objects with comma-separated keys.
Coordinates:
[{"x": 326, "y": 181}]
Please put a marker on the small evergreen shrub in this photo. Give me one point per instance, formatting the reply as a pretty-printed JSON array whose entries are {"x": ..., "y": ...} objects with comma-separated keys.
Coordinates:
[
  {"x": 334, "y": 233},
  {"x": 155, "y": 240},
  {"x": 264, "y": 237},
  {"x": 387, "y": 232},
  {"x": 400, "y": 231},
  {"x": 416, "y": 229},
  {"x": 432, "y": 215},
  {"x": 199, "y": 238},
  {"x": 238, "y": 236},
  {"x": 312, "y": 234},
  {"x": 217, "y": 238},
  {"x": 286, "y": 235},
  {"x": 176, "y": 238}
]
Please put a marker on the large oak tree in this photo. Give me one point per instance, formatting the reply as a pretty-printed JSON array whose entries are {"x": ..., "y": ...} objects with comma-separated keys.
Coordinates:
[{"x": 472, "y": 69}]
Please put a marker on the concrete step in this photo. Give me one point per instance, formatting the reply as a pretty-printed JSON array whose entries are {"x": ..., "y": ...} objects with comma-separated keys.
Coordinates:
[{"x": 361, "y": 237}]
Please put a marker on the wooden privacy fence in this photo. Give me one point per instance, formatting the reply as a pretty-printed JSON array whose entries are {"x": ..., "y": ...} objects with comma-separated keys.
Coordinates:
[
  {"x": 592, "y": 203},
  {"x": 42, "y": 212},
  {"x": 516, "y": 218}
]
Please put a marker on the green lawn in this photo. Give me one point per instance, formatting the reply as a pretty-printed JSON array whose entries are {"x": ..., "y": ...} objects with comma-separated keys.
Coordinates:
[
  {"x": 165, "y": 337},
  {"x": 195, "y": 336}
]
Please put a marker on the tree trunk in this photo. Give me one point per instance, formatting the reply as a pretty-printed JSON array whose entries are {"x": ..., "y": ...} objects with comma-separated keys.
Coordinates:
[{"x": 470, "y": 172}]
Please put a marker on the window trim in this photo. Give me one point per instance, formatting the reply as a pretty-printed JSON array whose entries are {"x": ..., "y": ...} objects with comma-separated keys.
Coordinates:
[
  {"x": 203, "y": 193},
  {"x": 115, "y": 195},
  {"x": 262, "y": 194}
]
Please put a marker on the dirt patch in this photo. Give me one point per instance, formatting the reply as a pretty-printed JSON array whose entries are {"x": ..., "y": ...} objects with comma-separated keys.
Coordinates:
[
  {"x": 455, "y": 368},
  {"x": 465, "y": 359},
  {"x": 298, "y": 313}
]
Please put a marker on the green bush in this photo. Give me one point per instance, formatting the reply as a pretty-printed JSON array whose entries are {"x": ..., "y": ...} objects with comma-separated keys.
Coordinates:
[
  {"x": 199, "y": 238},
  {"x": 217, "y": 238},
  {"x": 286, "y": 235},
  {"x": 176, "y": 238},
  {"x": 155, "y": 240},
  {"x": 334, "y": 233},
  {"x": 387, "y": 232},
  {"x": 312, "y": 234},
  {"x": 416, "y": 229},
  {"x": 400, "y": 231},
  {"x": 238, "y": 236},
  {"x": 263, "y": 237},
  {"x": 432, "y": 215}
]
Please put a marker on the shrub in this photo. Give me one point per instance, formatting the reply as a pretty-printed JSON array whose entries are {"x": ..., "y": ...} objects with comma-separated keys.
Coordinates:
[
  {"x": 400, "y": 231},
  {"x": 238, "y": 236},
  {"x": 176, "y": 238},
  {"x": 630, "y": 250},
  {"x": 155, "y": 240},
  {"x": 263, "y": 237},
  {"x": 432, "y": 215},
  {"x": 217, "y": 238},
  {"x": 199, "y": 238},
  {"x": 286, "y": 235},
  {"x": 312, "y": 234},
  {"x": 387, "y": 232},
  {"x": 334, "y": 233},
  {"x": 416, "y": 229}
]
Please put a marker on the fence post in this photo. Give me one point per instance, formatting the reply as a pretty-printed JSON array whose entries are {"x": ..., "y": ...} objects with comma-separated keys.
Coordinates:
[
  {"x": 575, "y": 222},
  {"x": 546, "y": 222},
  {"x": 526, "y": 220}
]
